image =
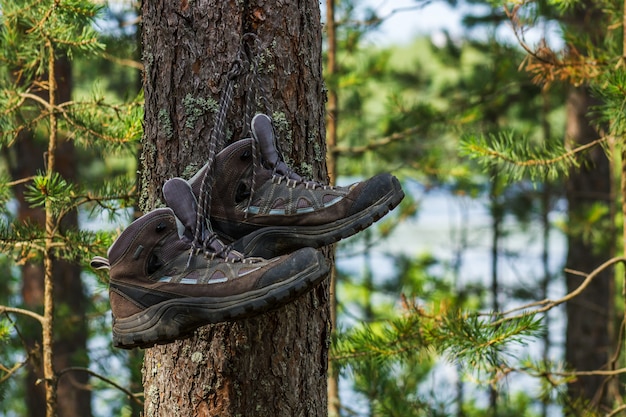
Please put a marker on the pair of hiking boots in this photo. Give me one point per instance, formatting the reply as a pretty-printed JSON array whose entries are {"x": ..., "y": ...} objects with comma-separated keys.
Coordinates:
[{"x": 163, "y": 285}]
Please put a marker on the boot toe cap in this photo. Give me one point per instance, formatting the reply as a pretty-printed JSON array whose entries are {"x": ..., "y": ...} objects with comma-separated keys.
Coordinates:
[{"x": 381, "y": 189}]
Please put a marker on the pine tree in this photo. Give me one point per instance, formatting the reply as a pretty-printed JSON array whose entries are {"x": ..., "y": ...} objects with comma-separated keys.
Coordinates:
[
  {"x": 591, "y": 66},
  {"x": 36, "y": 38}
]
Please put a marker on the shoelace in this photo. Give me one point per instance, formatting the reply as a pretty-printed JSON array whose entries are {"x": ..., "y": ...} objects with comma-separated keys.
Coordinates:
[
  {"x": 204, "y": 237},
  {"x": 280, "y": 172},
  {"x": 213, "y": 248}
]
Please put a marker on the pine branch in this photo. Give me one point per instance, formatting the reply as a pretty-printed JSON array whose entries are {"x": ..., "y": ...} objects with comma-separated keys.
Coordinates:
[
  {"x": 570, "y": 66},
  {"x": 100, "y": 200},
  {"x": 617, "y": 411},
  {"x": 516, "y": 159},
  {"x": 466, "y": 337},
  {"x": 40, "y": 24},
  {"x": 80, "y": 245},
  {"x": 128, "y": 114},
  {"x": 29, "y": 352},
  {"x": 116, "y": 124}
]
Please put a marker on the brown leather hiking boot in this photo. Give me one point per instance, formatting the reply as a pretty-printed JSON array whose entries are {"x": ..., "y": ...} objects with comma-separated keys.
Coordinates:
[
  {"x": 161, "y": 288},
  {"x": 264, "y": 209}
]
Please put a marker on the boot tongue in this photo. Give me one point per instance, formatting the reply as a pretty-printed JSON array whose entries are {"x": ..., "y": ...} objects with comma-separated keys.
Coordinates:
[
  {"x": 179, "y": 197},
  {"x": 263, "y": 133}
]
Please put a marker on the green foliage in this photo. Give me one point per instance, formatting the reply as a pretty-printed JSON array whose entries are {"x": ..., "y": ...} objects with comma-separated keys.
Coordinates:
[
  {"x": 5, "y": 328},
  {"x": 395, "y": 392},
  {"x": 518, "y": 405},
  {"x": 483, "y": 343},
  {"x": 589, "y": 224},
  {"x": 27, "y": 25},
  {"x": 104, "y": 128},
  {"x": 67, "y": 24},
  {"x": 479, "y": 342},
  {"x": 113, "y": 125},
  {"x": 22, "y": 240},
  {"x": 611, "y": 86},
  {"x": 53, "y": 191},
  {"x": 564, "y": 5},
  {"x": 66, "y": 28},
  {"x": 6, "y": 194},
  {"x": 517, "y": 158}
]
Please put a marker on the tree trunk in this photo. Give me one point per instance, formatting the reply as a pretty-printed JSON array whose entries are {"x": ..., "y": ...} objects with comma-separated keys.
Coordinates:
[
  {"x": 587, "y": 345},
  {"x": 274, "y": 364},
  {"x": 588, "y": 315},
  {"x": 332, "y": 117}
]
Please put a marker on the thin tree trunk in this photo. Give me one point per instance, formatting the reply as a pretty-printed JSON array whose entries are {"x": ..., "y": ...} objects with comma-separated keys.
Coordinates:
[
  {"x": 73, "y": 400},
  {"x": 496, "y": 212},
  {"x": 274, "y": 364},
  {"x": 588, "y": 316},
  {"x": 546, "y": 196},
  {"x": 332, "y": 113}
]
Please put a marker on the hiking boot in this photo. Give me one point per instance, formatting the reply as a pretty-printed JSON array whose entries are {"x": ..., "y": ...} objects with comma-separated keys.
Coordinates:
[
  {"x": 162, "y": 288},
  {"x": 265, "y": 209}
]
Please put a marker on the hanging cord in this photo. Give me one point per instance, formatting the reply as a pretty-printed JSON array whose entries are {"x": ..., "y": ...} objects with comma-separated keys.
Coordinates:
[
  {"x": 256, "y": 94},
  {"x": 204, "y": 236}
]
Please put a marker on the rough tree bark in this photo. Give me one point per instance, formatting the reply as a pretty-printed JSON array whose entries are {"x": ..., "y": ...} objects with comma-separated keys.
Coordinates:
[{"x": 274, "y": 364}]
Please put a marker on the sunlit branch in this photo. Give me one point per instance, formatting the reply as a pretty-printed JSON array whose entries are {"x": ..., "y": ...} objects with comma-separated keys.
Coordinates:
[
  {"x": 617, "y": 411},
  {"x": 24, "y": 312},
  {"x": 536, "y": 162},
  {"x": 131, "y": 63},
  {"x": 42, "y": 21},
  {"x": 16, "y": 106},
  {"x": 131, "y": 395},
  {"x": 566, "y": 374},
  {"x": 19, "y": 181},
  {"x": 548, "y": 304},
  {"x": 396, "y": 137},
  {"x": 99, "y": 200},
  {"x": 66, "y": 117},
  {"x": 10, "y": 371}
]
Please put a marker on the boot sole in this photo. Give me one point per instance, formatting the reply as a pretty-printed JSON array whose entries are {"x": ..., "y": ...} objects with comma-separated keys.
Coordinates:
[
  {"x": 268, "y": 242},
  {"x": 176, "y": 319}
]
